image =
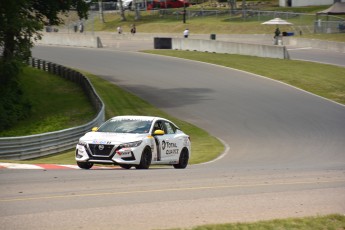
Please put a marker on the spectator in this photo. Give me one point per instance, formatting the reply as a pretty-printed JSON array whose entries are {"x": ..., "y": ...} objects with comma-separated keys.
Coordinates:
[
  {"x": 75, "y": 27},
  {"x": 81, "y": 27},
  {"x": 276, "y": 33},
  {"x": 133, "y": 29},
  {"x": 119, "y": 30},
  {"x": 186, "y": 33}
]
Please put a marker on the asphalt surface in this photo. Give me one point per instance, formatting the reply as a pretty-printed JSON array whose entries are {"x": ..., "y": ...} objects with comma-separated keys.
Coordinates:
[
  {"x": 285, "y": 152},
  {"x": 317, "y": 55}
]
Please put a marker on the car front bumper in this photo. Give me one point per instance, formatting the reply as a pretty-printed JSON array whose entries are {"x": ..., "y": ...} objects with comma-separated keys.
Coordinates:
[{"x": 108, "y": 155}]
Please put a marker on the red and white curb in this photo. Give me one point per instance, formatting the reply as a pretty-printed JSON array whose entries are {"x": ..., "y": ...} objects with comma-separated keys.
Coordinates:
[{"x": 46, "y": 166}]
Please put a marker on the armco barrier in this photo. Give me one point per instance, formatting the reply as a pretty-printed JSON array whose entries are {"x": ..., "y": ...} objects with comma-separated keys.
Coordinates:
[
  {"x": 32, "y": 146},
  {"x": 271, "y": 51}
]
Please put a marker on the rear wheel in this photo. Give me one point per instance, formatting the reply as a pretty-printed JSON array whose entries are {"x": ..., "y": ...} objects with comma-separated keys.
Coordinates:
[
  {"x": 84, "y": 165},
  {"x": 183, "y": 160},
  {"x": 145, "y": 160}
]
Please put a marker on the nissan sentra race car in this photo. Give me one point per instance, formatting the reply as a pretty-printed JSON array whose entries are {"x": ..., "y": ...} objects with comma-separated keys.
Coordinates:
[{"x": 137, "y": 141}]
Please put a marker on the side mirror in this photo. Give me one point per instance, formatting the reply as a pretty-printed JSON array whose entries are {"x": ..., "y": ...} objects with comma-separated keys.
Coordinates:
[
  {"x": 94, "y": 129},
  {"x": 158, "y": 132}
]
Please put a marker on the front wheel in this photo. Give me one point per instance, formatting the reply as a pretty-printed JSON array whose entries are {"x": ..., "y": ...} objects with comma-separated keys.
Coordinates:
[
  {"x": 183, "y": 160},
  {"x": 125, "y": 166},
  {"x": 84, "y": 165},
  {"x": 145, "y": 160}
]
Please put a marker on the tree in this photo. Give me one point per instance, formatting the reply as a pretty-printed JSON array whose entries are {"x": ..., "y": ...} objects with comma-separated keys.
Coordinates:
[
  {"x": 232, "y": 4},
  {"x": 20, "y": 24},
  {"x": 101, "y": 13},
  {"x": 21, "y": 21},
  {"x": 136, "y": 10},
  {"x": 244, "y": 9},
  {"x": 122, "y": 11}
]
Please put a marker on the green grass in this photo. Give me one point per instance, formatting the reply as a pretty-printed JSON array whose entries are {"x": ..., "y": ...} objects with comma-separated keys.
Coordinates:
[
  {"x": 324, "y": 80},
  {"x": 151, "y": 23},
  {"x": 329, "y": 222},
  {"x": 120, "y": 102},
  {"x": 56, "y": 104},
  {"x": 222, "y": 24}
]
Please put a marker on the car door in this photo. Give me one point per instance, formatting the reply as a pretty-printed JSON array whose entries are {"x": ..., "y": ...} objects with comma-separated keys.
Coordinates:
[{"x": 170, "y": 143}]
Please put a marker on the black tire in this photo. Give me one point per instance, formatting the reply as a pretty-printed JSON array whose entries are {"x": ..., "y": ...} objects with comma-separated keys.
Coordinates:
[
  {"x": 145, "y": 160},
  {"x": 183, "y": 160},
  {"x": 125, "y": 166},
  {"x": 84, "y": 165}
]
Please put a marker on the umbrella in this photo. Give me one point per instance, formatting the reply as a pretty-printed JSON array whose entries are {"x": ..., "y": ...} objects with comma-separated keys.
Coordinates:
[{"x": 277, "y": 21}]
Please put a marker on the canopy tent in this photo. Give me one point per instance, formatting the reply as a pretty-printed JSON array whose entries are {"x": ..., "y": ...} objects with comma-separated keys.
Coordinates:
[
  {"x": 337, "y": 8},
  {"x": 277, "y": 21},
  {"x": 335, "y": 25}
]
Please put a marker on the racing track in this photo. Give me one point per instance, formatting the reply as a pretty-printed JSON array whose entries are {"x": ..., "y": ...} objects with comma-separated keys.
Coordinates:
[{"x": 285, "y": 155}]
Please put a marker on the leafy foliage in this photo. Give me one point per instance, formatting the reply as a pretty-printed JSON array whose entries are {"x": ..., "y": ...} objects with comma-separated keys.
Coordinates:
[
  {"x": 20, "y": 23},
  {"x": 13, "y": 106}
]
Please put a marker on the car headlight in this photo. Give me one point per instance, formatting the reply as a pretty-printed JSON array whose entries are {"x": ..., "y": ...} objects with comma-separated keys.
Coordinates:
[
  {"x": 131, "y": 144},
  {"x": 82, "y": 143}
]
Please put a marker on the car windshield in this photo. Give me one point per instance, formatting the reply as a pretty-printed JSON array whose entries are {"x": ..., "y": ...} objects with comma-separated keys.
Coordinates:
[{"x": 126, "y": 126}]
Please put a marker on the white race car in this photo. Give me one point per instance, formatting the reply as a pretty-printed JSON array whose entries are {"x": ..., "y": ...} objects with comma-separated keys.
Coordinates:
[{"x": 134, "y": 141}]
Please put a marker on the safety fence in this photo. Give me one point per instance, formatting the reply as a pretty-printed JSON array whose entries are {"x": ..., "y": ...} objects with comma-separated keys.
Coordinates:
[
  {"x": 32, "y": 146},
  {"x": 329, "y": 27}
]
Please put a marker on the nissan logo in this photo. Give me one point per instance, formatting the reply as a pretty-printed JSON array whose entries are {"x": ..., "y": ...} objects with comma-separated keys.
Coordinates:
[{"x": 101, "y": 147}]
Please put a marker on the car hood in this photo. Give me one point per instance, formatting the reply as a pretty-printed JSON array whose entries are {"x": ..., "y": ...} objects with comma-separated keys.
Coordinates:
[{"x": 111, "y": 138}]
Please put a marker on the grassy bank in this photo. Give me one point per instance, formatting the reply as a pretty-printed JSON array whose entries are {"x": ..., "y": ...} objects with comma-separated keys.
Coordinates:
[
  {"x": 220, "y": 23},
  {"x": 324, "y": 80},
  {"x": 120, "y": 102},
  {"x": 329, "y": 222},
  {"x": 56, "y": 104}
]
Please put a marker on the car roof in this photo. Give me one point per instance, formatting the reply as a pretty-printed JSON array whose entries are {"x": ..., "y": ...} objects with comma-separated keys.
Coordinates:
[{"x": 138, "y": 117}]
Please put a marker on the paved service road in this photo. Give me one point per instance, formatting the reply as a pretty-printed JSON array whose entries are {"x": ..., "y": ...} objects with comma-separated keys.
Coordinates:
[
  {"x": 285, "y": 154},
  {"x": 317, "y": 55}
]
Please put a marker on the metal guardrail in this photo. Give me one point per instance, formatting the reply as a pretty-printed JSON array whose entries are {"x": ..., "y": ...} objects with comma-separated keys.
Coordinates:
[{"x": 32, "y": 146}]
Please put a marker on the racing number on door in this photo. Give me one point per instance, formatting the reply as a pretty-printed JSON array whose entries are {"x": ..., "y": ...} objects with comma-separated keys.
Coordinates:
[{"x": 168, "y": 143}]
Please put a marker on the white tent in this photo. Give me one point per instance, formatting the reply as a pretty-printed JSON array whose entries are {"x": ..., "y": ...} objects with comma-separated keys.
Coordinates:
[{"x": 277, "y": 21}]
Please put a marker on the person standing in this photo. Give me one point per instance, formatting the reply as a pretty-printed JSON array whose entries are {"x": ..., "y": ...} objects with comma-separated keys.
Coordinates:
[
  {"x": 75, "y": 27},
  {"x": 133, "y": 29},
  {"x": 277, "y": 36},
  {"x": 276, "y": 33},
  {"x": 81, "y": 27},
  {"x": 186, "y": 33},
  {"x": 119, "y": 30}
]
